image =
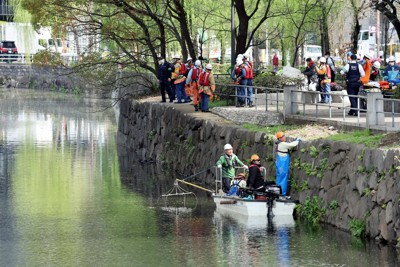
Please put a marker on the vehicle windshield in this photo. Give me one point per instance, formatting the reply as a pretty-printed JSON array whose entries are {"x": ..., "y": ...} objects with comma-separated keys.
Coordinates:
[
  {"x": 314, "y": 49},
  {"x": 8, "y": 45}
]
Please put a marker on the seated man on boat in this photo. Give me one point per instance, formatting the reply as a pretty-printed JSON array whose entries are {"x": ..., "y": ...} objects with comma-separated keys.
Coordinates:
[
  {"x": 227, "y": 165},
  {"x": 256, "y": 180},
  {"x": 237, "y": 185}
]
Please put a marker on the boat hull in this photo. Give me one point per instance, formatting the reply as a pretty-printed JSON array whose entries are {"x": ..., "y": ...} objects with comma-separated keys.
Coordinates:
[{"x": 253, "y": 207}]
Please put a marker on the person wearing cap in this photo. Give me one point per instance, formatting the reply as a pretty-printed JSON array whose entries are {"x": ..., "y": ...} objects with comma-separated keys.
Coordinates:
[
  {"x": 331, "y": 64},
  {"x": 366, "y": 63},
  {"x": 256, "y": 179},
  {"x": 227, "y": 164},
  {"x": 206, "y": 87},
  {"x": 237, "y": 184},
  {"x": 282, "y": 161},
  {"x": 391, "y": 72},
  {"x": 163, "y": 75},
  {"x": 192, "y": 80},
  {"x": 189, "y": 65},
  {"x": 179, "y": 79},
  {"x": 375, "y": 71},
  {"x": 248, "y": 65},
  {"x": 354, "y": 72},
  {"x": 239, "y": 77},
  {"x": 324, "y": 80}
]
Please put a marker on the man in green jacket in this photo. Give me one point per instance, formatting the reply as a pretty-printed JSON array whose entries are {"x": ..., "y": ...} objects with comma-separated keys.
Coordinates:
[{"x": 227, "y": 162}]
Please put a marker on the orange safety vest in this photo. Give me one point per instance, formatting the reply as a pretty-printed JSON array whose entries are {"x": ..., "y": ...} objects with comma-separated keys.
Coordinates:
[
  {"x": 196, "y": 73},
  {"x": 251, "y": 70},
  {"x": 248, "y": 71},
  {"x": 203, "y": 79}
]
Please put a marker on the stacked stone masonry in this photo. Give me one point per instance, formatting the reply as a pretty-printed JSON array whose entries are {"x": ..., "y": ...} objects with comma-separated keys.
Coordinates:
[{"x": 363, "y": 183}]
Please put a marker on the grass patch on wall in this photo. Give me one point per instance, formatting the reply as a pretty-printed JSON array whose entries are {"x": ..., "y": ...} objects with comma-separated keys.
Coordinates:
[
  {"x": 365, "y": 137},
  {"x": 271, "y": 129}
]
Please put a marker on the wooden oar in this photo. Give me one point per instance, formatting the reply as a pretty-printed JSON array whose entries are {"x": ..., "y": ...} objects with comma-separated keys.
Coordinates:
[{"x": 195, "y": 185}]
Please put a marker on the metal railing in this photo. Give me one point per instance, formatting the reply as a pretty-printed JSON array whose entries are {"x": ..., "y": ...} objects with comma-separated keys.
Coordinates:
[{"x": 372, "y": 111}]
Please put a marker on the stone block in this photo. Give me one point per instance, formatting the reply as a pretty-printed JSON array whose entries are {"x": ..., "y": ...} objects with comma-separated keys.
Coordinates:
[
  {"x": 389, "y": 212},
  {"x": 381, "y": 193},
  {"x": 372, "y": 226},
  {"x": 372, "y": 180},
  {"x": 361, "y": 183}
]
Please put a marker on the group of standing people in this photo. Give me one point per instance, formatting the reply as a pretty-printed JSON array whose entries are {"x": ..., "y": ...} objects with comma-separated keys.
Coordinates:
[
  {"x": 180, "y": 81},
  {"x": 256, "y": 179},
  {"x": 243, "y": 75}
]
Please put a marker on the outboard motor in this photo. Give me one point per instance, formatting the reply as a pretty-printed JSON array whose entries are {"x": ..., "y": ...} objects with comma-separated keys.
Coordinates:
[{"x": 272, "y": 192}]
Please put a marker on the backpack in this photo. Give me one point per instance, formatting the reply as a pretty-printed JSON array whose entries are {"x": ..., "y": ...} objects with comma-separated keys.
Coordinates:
[
  {"x": 234, "y": 190},
  {"x": 183, "y": 69}
]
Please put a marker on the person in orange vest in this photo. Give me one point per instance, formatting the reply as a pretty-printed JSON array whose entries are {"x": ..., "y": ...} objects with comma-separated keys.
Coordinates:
[
  {"x": 192, "y": 81},
  {"x": 179, "y": 77},
  {"x": 189, "y": 65},
  {"x": 248, "y": 65},
  {"x": 366, "y": 63},
  {"x": 206, "y": 87},
  {"x": 324, "y": 80}
]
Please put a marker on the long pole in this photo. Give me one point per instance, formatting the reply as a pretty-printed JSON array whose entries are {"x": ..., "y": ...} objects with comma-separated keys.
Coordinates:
[{"x": 233, "y": 33}]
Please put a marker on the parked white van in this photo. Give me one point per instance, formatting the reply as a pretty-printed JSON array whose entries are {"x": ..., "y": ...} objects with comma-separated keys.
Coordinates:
[{"x": 312, "y": 51}]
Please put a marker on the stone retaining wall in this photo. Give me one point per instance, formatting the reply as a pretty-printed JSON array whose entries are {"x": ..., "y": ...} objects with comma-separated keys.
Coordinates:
[
  {"x": 65, "y": 80},
  {"x": 355, "y": 183}
]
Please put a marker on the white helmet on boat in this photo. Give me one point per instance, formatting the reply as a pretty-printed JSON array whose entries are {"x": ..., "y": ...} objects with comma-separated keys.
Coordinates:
[
  {"x": 228, "y": 146},
  {"x": 377, "y": 64}
]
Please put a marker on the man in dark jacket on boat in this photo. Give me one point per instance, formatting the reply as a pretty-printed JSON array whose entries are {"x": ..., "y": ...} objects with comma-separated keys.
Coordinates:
[
  {"x": 257, "y": 173},
  {"x": 226, "y": 165}
]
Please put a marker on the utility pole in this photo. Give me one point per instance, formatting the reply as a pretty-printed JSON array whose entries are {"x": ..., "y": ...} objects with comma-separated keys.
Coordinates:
[{"x": 378, "y": 33}]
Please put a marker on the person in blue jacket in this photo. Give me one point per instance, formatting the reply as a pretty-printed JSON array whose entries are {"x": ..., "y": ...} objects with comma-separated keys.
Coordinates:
[
  {"x": 282, "y": 162},
  {"x": 391, "y": 72}
]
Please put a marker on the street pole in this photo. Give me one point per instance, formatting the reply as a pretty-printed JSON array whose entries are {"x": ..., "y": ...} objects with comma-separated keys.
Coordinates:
[{"x": 233, "y": 33}]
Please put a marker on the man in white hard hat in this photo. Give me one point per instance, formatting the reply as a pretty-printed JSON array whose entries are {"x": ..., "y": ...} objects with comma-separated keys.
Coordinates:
[
  {"x": 227, "y": 164},
  {"x": 391, "y": 72},
  {"x": 239, "y": 77},
  {"x": 249, "y": 76},
  {"x": 206, "y": 87},
  {"x": 375, "y": 71},
  {"x": 324, "y": 80}
]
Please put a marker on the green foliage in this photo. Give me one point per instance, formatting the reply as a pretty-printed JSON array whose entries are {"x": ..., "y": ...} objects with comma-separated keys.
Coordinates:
[
  {"x": 323, "y": 165},
  {"x": 298, "y": 187},
  {"x": 270, "y": 80},
  {"x": 151, "y": 134},
  {"x": 312, "y": 209},
  {"x": 357, "y": 227},
  {"x": 314, "y": 152},
  {"x": 217, "y": 103},
  {"x": 333, "y": 205},
  {"x": 365, "y": 137}
]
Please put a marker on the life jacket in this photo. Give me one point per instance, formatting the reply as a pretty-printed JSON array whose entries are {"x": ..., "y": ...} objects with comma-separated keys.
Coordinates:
[
  {"x": 237, "y": 71},
  {"x": 276, "y": 148},
  {"x": 251, "y": 70},
  {"x": 183, "y": 69},
  {"x": 203, "y": 78},
  {"x": 234, "y": 190},
  {"x": 196, "y": 73},
  {"x": 259, "y": 168},
  {"x": 353, "y": 75},
  {"x": 248, "y": 71}
]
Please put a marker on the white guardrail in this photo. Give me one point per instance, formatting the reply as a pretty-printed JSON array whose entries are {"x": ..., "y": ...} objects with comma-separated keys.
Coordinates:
[{"x": 374, "y": 110}]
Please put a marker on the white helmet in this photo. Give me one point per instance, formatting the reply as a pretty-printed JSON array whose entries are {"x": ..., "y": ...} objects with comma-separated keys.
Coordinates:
[
  {"x": 322, "y": 60},
  {"x": 240, "y": 56},
  {"x": 391, "y": 59},
  {"x": 176, "y": 56},
  {"x": 189, "y": 59},
  {"x": 367, "y": 56},
  {"x": 197, "y": 63},
  {"x": 228, "y": 146},
  {"x": 239, "y": 61},
  {"x": 377, "y": 64},
  {"x": 209, "y": 67}
]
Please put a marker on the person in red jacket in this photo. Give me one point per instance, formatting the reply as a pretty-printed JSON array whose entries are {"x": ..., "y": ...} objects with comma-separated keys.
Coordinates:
[{"x": 275, "y": 63}]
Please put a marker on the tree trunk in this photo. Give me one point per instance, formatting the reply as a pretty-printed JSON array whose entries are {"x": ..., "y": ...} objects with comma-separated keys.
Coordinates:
[
  {"x": 241, "y": 37},
  {"x": 356, "y": 32},
  {"x": 184, "y": 29}
]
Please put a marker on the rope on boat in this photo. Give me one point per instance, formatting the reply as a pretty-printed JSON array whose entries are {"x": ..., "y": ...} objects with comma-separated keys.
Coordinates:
[{"x": 195, "y": 185}]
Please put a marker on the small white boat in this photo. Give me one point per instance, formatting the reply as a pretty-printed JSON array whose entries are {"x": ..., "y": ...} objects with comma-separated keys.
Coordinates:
[{"x": 253, "y": 207}]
